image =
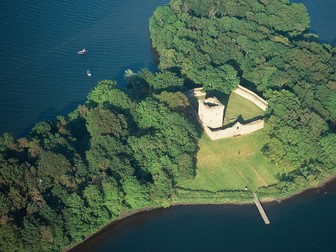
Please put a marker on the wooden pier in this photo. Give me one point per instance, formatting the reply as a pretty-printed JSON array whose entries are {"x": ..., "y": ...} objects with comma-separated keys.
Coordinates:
[{"x": 261, "y": 209}]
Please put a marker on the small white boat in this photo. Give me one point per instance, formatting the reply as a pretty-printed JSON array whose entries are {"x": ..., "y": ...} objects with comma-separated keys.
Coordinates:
[
  {"x": 88, "y": 73},
  {"x": 81, "y": 52}
]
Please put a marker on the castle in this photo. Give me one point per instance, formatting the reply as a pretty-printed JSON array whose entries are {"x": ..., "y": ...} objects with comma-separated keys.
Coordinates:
[{"x": 211, "y": 114}]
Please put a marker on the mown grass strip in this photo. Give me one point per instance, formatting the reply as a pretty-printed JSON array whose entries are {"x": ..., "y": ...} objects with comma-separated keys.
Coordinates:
[{"x": 233, "y": 164}]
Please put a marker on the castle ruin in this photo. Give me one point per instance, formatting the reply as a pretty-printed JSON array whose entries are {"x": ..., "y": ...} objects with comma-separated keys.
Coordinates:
[{"x": 211, "y": 114}]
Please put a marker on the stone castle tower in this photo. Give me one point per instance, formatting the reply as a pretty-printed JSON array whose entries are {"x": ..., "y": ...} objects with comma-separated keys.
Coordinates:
[{"x": 211, "y": 112}]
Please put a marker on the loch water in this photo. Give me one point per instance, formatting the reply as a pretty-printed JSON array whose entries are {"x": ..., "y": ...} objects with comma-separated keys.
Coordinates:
[
  {"x": 323, "y": 18},
  {"x": 305, "y": 223},
  {"x": 43, "y": 76},
  {"x": 41, "y": 73}
]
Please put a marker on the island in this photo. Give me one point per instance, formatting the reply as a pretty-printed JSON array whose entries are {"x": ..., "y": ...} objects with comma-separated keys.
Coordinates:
[{"x": 186, "y": 134}]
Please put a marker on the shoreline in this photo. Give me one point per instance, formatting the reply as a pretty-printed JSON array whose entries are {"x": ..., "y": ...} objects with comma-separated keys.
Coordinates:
[{"x": 267, "y": 200}]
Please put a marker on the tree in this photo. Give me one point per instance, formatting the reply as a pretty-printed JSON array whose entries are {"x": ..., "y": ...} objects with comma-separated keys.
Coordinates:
[
  {"x": 149, "y": 114},
  {"x": 328, "y": 154},
  {"x": 10, "y": 172},
  {"x": 10, "y": 238},
  {"x": 176, "y": 101},
  {"x": 6, "y": 141},
  {"x": 135, "y": 194},
  {"x": 101, "y": 121},
  {"x": 223, "y": 78},
  {"x": 108, "y": 153},
  {"x": 76, "y": 217},
  {"x": 161, "y": 80},
  {"x": 107, "y": 93},
  {"x": 331, "y": 103},
  {"x": 113, "y": 196},
  {"x": 53, "y": 169}
]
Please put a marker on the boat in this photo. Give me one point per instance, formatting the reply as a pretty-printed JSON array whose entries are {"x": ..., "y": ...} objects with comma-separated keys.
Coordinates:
[
  {"x": 81, "y": 52},
  {"x": 88, "y": 73}
]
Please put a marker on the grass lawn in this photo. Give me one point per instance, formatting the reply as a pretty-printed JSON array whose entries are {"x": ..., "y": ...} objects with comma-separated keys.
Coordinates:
[
  {"x": 239, "y": 106},
  {"x": 232, "y": 163}
]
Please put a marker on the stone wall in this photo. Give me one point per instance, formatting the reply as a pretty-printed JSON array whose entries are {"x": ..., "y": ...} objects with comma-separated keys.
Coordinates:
[
  {"x": 237, "y": 129},
  {"x": 196, "y": 92},
  {"x": 249, "y": 95},
  {"x": 206, "y": 114}
]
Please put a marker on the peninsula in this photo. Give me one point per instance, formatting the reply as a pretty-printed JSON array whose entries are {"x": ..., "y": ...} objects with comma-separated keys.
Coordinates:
[{"x": 141, "y": 147}]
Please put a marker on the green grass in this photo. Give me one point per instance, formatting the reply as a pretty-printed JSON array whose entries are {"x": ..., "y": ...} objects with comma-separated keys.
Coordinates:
[
  {"x": 239, "y": 106},
  {"x": 233, "y": 163}
]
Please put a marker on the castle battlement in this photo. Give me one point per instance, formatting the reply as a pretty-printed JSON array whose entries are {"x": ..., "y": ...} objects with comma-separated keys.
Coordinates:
[{"x": 211, "y": 114}]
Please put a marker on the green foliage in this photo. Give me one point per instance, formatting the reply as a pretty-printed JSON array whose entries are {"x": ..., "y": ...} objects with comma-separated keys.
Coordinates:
[
  {"x": 162, "y": 80},
  {"x": 9, "y": 237},
  {"x": 331, "y": 103},
  {"x": 69, "y": 177},
  {"x": 53, "y": 169},
  {"x": 108, "y": 153},
  {"x": 10, "y": 171},
  {"x": 113, "y": 154},
  {"x": 264, "y": 43},
  {"x": 113, "y": 197},
  {"x": 276, "y": 15},
  {"x": 105, "y": 93},
  {"x": 135, "y": 194},
  {"x": 214, "y": 42},
  {"x": 6, "y": 141},
  {"x": 176, "y": 101},
  {"x": 75, "y": 217},
  {"x": 102, "y": 121},
  {"x": 213, "y": 78},
  {"x": 41, "y": 129},
  {"x": 171, "y": 139},
  {"x": 328, "y": 153},
  {"x": 293, "y": 131},
  {"x": 149, "y": 114}
]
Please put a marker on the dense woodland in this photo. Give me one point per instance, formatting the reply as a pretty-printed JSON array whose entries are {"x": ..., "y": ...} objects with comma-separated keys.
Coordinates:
[
  {"x": 264, "y": 45},
  {"x": 113, "y": 154},
  {"x": 124, "y": 149}
]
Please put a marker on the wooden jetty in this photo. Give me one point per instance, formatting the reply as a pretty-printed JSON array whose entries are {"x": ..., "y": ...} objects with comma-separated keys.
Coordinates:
[{"x": 261, "y": 209}]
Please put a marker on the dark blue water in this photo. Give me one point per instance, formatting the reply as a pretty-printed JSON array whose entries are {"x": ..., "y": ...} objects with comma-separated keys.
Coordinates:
[
  {"x": 42, "y": 75},
  {"x": 304, "y": 223},
  {"x": 323, "y": 18}
]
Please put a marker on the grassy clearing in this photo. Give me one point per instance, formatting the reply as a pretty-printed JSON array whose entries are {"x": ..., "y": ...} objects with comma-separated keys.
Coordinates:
[
  {"x": 239, "y": 106},
  {"x": 232, "y": 163}
]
